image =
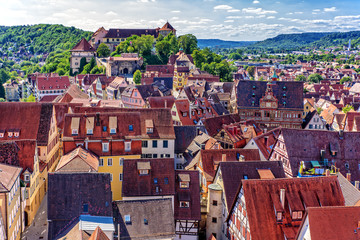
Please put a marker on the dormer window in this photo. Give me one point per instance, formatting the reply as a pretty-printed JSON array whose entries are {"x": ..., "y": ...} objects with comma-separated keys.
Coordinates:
[
  {"x": 143, "y": 168},
  {"x": 10, "y": 134},
  {"x": 254, "y": 87},
  {"x": 284, "y": 95},
  {"x": 127, "y": 219},
  {"x": 184, "y": 114},
  {"x": 284, "y": 88},
  {"x": 1, "y": 134},
  {"x": 74, "y": 132},
  {"x": 184, "y": 180},
  {"x": 184, "y": 204},
  {"x": 16, "y": 134},
  {"x": 279, "y": 216},
  {"x": 149, "y": 126},
  {"x": 89, "y": 132},
  {"x": 112, "y": 124},
  {"x": 253, "y": 95},
  {"x": 112, "y": 130},
  {"x": 75, "y": 121},
  {"x": 131, "y": 128},
  {"x": 27, "y": 177},
  {"x": 296, "y": 215}
]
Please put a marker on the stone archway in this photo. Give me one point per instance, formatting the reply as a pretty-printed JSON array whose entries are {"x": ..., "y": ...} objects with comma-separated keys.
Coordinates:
[{"x": 126, "y": 71}]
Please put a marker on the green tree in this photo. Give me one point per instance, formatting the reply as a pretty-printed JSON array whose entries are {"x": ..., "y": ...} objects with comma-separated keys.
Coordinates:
[
  {"x": 300, "y": 78},
  {"x": 188, "y": 43},
  {"x": 345, "y": 79},
  {"x": 30, "y": 98},
  {"x": 2, "y": 91},
  {"x": 251, "y": 71},
  {"x": 319, "y": 110},
  {"x": 82, "y": 64},
  {"x": 103, "y": 50},
  {"x": 347, "y": 108},
  {"x": 137, "y": 77},
  {"x": 4, "y": 76},
  {"x": 346, "y": 66},
  {"x": 2, "y": 100},
  {"x": 315, "y": 78}
]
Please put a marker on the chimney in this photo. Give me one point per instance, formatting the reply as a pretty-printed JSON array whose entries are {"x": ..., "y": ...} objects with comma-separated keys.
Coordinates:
[
  {"x": 327, "y": 172},
  {"x": 341, "y": 134},
  {"x": 223, "y": 158},
  {"x": 282, "y": 197},
  {"x": 165, "y": 103},
  {"x": 348, "y": 177},
  {"x": 357, "y": 185}
]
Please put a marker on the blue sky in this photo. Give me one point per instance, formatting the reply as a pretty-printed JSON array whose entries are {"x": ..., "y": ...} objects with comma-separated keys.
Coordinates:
[{"x": 240, "y": 20}]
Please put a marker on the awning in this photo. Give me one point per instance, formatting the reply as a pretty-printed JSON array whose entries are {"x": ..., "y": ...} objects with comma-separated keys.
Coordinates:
[
  {"x": 143, "y": 165},
  {"x": 315, "y": 164},
  {"x": 90, "y": 123},
  {"x": 75, "y": 123},
  {"x": 112, "y": 122},
  {"x": 184, "y": 177}
]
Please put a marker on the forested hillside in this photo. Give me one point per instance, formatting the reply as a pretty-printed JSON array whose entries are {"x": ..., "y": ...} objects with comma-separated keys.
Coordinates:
[{"x": 39, "y": 38}]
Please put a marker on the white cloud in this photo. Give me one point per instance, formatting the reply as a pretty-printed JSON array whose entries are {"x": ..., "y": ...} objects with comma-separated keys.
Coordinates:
[
  {"x": 256, "y": 2},
  {"x": 223, "y": 7},
  {"x": 145, "y": 1},
  {"x": 233, "y": 10},
  {"x": 332, "y": 9},
  {"x": 176, "y": 11},
  {"x": 316, "y": 10},
  {"x": 259, "y": 11},
  {"x": 111, "y": 13},
  {"x": 270, "y": 17},
  {"x": 298, "y": 12},
  {"x": 229, "y": 21}
]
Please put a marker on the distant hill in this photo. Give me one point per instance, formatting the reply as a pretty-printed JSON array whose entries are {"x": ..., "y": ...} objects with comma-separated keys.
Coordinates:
[
  {"x": 309, "y": 40},
  {"x": 40, "y": 38},
  {"x": 217, "y": 43},
  {"x": 290, "y": 41}
]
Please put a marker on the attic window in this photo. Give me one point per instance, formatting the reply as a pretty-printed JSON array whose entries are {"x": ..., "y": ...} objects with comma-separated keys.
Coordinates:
[
  {"x": 74, "y": 132},
  {"x": 284, "y": 95},
  {"x": 26, "y": 177},
  {"x": 1, "y": 134},
  {"x": 131, "y": 128},
  {"x": 279, "y": 216},
  {"x": 10, "y": 134},
  {"x": 253, "y": 95},
  {"x": 16, "y": 134},
  {"x": 184, "y": 114},
  {"x": 284, "y": 88},
  {"x": 146, "y": 221},
  {"x": 252, "y": 103},
  {"x": 284, "y": 103},
  {"x": 127, "y": 219},
  {"x": 254, "y": 87},
  {"x": 85, "y": 208}
]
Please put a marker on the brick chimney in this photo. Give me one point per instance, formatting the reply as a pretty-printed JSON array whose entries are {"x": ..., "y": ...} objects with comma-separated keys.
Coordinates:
[{"x": 348, "y": 177}]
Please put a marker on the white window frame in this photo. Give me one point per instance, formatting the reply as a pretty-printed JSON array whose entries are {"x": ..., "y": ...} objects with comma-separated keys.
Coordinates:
[
  {"x": 184, "y": 204},
  {"x": 89, "y": 131},
  {"x": 127, "y": 146},
  {"x": 105, "y": 147},
  {"x": 121, "y": 161},
  {"x": 109, "y": 160},
  {"x": 74, "y": 131},
  {"x": 112, "y": 130}
]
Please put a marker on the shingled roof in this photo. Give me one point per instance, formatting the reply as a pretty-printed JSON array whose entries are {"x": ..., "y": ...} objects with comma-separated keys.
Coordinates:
[
  {"x": 125, "y": 33},
  {"x": 214, "y": 124},
  {"x": 309, "y": 192},
  {"x": 67, "y": 194},
  {"x": 83, "y": 46},
  {"x": 30, "y": 120},
  {"x": 149, "y": 219},
  {"x": 253, "y": 91},
  {"x": 233, "y": 172},
  {"x": 305, "y": 145},
  {"x": 333, "y": 222},
  {"x": 159, "y": 181}
]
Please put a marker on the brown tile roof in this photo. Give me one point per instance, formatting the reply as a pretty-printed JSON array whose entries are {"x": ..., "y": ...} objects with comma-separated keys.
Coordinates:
[
  {"x": 212, "y": 157},
  {"x": 8, "y": 176},
  {"x": 72, "y": 92},
  {"x": 214, "y": 124},
  {"x": 191, "y": 194},
  {"x": 30, "y": 120},
  {"x": 135, "y": 185},
  {"x": 234, "y": 172},
  {"x": 83, "y": 46},
  {"x": 167, "y": 26},
  {"x": 333, "y": 222},
  {"x": 161, "y": 102},
  {"x": 266, "y": 141},
  {"x": 305, "y": 145},
  {"x": 253, "y": 91},
  {"x": 298, "y": 191},
  {"x": 69, "y": 191},
  {"x": 183, "y": 107},
  {"x": 150, "y": 219},
  {"x": 162, "y": 119},
  {"x": 125, "y": 33},
  {"x": 98, "y": 234},
  {"x": 90, "y": 159},
  {"x": 328, "y": 114}
]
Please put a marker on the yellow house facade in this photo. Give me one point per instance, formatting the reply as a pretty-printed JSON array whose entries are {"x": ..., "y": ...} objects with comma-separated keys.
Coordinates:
[
  {"x": 10, "y": 201},
  {"x": 307, "y": 107},
  {"x": 114, "y": 166}
]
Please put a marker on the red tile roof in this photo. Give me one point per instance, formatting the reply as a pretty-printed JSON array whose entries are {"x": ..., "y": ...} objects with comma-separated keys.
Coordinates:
[
  {"x": 83, "y": 46},
  {"x": 90, "y": 159},
  {"x": 135, "y": 185},
  {"x": 309, "y": 192},
  {"x": 212, "y": 157},
  {"x": 266, "y": 141},
  {"x": 333, "y": 222},
  {"x": 214, "y": 125},
  {"x": 52, "y": 83},
  {"x": 161, "y": 102},
  {"x": 98, "y": 234}
]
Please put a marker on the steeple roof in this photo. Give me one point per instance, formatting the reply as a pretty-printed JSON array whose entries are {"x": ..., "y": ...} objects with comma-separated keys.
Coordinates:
[{"x": 84, "y": 46}]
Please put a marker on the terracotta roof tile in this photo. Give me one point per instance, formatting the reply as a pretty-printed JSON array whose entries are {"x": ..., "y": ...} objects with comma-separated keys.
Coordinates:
[{"x": 83, "y": 46}]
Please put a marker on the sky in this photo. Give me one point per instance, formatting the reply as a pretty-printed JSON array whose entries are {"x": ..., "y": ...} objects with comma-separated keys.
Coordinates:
[{"x": 240, "y": 20}]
